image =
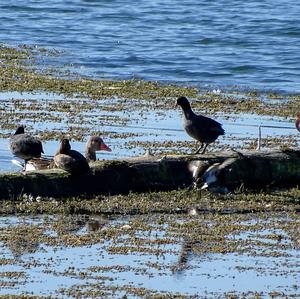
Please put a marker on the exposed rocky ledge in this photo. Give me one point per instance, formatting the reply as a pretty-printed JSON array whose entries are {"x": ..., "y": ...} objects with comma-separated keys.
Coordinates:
[{"x": 219, "y": 172}]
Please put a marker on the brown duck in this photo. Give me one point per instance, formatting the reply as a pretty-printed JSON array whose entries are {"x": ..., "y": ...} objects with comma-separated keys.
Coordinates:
[
  {"x": 70, "y": 160},
  {"x": 94, "y": 143}
]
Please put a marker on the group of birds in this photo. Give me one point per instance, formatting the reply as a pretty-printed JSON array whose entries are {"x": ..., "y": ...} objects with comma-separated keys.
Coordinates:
[{"x": 29, "y": 148}]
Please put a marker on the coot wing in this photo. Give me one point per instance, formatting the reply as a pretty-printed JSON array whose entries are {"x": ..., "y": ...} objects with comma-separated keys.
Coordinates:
[
  {"x": 203, "y": 123},
  {"x": 26, "y": 146}
]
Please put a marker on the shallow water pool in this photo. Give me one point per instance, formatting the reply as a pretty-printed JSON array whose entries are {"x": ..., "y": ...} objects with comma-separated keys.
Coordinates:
[{"x": 202, "y": 255}]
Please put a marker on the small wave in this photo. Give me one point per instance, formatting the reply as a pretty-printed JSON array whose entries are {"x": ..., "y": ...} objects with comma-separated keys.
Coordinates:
[
  {"x": 244, "y": 68},
  {"x": 208, "y": 41}
]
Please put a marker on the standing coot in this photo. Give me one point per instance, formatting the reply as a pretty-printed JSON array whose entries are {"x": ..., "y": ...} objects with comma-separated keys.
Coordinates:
[{"x": 201, "y": 128}]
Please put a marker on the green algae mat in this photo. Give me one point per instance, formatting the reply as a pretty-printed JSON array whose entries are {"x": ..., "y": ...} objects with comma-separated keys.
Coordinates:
[
  {"x": 21, "y": 71},
  {"x": 179, "y": 244}
]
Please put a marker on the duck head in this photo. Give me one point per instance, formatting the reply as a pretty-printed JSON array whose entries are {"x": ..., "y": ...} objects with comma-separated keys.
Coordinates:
[
  {"x": 96, "y": 143},
  {"x": 64, "y": 147}
]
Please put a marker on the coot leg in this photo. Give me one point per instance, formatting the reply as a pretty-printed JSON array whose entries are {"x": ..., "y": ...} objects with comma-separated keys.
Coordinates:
[
  {"x": 206, "y": 144},
  {"x": 26, "y": 160},
  {"x": 199, "y": 149}
]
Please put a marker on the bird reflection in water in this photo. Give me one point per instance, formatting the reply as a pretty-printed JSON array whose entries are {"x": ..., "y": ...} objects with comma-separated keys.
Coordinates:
[{"x": 76, "y": 223}]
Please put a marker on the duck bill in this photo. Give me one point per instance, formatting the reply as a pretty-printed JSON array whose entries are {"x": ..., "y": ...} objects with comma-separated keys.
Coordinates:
[{"x": 104, "y": 147}]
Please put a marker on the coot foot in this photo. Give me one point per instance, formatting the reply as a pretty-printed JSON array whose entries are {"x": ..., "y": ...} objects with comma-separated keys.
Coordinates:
[{"x": 204, "y": 146}]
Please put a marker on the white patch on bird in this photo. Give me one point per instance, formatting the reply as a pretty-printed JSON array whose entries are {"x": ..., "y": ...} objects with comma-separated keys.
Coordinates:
[
  {"x": 30, "y": 167},
  {"x": 164, "y": 158},
  {"x": 193, "y": 167},
  {"x": 210, "y": 175},
  {"x": 204, "y": 186}
]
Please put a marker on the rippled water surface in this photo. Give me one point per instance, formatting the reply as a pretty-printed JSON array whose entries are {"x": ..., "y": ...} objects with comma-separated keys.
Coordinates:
[
  {"x": 210, "y": 44},
  {"x": 95, "y": 256},
  {"x": 234, "y": 43}
]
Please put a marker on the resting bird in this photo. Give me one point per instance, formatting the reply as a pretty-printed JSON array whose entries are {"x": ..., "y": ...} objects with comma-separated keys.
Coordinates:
[
  {"x": 297, "y": 122},
  {"x": 199, "y": 127},
  {"x": 94, "y": 143},
  {"x": 70, "y": 160},
  {"x": 25, "y": 146}
]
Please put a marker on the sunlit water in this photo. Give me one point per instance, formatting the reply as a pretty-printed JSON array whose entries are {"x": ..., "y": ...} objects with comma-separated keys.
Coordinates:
[
  {"x": 234, "y": 43},
  {"x": 132, "y": 131},
  {"x": 47, "y": 270},
  {"x": 208, "y": 44}
]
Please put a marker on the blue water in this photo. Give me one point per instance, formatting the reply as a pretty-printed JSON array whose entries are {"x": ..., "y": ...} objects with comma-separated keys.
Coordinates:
[
  {"x": 245, "y": 44},
  {"x": 273, "y": 267}
]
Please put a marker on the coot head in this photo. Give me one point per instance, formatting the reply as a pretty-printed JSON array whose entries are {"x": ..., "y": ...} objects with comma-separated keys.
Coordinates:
[
  {"x": 184, "y": 103},
  {"x": 20, "y": 130}
]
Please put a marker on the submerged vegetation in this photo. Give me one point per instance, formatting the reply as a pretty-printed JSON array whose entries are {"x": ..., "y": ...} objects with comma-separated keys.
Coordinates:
[
  {"x": 164, "y": 230},
  {"x": 20, "y": 72},
  {"x": 155, "y": 237},
  {"x": 174, "y": 202},
  {"x": 52, "y": 102}
]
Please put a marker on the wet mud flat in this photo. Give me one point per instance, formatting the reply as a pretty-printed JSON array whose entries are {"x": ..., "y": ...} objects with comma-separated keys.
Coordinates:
[
  {"x": 131, "y": 115},
  {"x": 129, "y": 126},
  {"x": 176, "y": 244}
]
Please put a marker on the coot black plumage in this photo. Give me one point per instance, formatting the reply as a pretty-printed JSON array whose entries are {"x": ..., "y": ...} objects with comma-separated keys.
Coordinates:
[
  {"x": 24, "y": 145},
  {"x": 199, "y": 127}
]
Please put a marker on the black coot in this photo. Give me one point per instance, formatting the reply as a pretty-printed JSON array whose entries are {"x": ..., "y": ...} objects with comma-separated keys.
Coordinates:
[
  {"x": 199, "y": 127},
  {"x": 24, "y": 145}
]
